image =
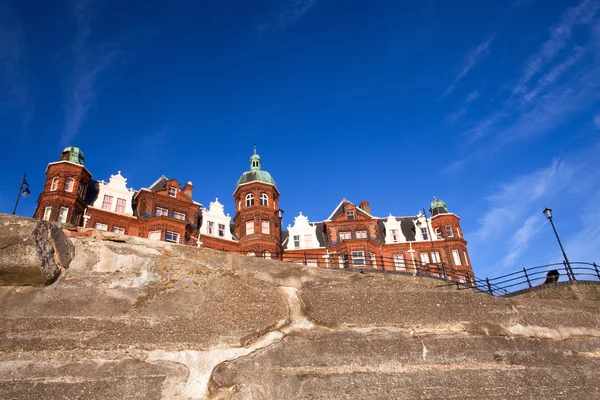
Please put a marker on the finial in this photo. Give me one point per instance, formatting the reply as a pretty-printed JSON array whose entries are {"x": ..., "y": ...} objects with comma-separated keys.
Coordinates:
[{"x": 254, "y": 148}]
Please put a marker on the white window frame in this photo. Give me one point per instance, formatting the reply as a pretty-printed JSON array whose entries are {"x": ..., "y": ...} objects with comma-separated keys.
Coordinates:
[
  {"x": 172, "y": 191},
  {"x": 120, "y": 206},
  {"x": 251, "y": 254},
  {"x": 342, "y": 260},
  {"x": 308, "y": 242},
  {"x": 118, "y": 229},
  {"x": 296, "y": 241},
  {"x": 174, "y": 237},
  {"x": 47, "y": 213},
  {"x": 249, "y": 227},
  {"x": 210, "y": 228},
  {"x": 179, "y": 215},
  {"x": 358, "y": 258},
  {"x": 264, "y": 199},
  {"x": 221, "y": 231},
  {"x": 159, "y": 212},
  {"x": 373, "y": 260},
  {"x": 249, "y": 199},
  {"x": 361, "y": 234},
  {"x": 345, "y": 236},
  {"x": 153, "y": 235},
  {"x": 395, "y": 236},
  {"x": 80, "y": 190},
  {"x": 424, "y": 234},
  {"x": 266, "y": 255},
  {"x": 425, "y": 258},
  {"x": 435, "y": 257},
  {"x": 350, "y": 215},
  {"x": 449, "y": 231},
  {"x": 399, "y": 262},
  {"x": 69, "y": 184},
  {"x": 456, "y": 257},
  {"x": 466, "y": 258},
  {"x": 107, "y": 202},
  {"x": 265, "y": 227},
  {"x": 54, "y": 185},
  {"x": 62, "y": 218},
  {"x": 101, "y": 227}
]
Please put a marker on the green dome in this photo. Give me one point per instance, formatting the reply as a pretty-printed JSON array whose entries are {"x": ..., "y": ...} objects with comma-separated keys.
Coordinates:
[
  {"x": 255, "y": 174},
  {"x": 438, "y": 207},
  {"x": 72, "y": 154}
]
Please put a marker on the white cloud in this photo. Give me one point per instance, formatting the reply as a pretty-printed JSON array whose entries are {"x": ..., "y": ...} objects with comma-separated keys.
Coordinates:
[
  {"x": 474, "y": 56},
  {"x": 474, "y": 95},
  {"x": 521, "y": 239},
  {"x": 294, "y": 9}
]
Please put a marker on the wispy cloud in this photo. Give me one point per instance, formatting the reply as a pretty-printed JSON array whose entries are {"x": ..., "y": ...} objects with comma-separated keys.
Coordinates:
[
  {"x": 521, "y": 239},
  {"x": 88, "y": 66},
  {"x": 293, "y": 10},
  {"x": 560, "y": 34},
  {"x": 455, "y": 116},
  {"x": 474, "y": 56}
]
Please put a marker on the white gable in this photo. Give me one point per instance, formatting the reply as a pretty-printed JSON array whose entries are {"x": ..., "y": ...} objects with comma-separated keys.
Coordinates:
[
  {"x": 302, "y": 235},
  {"x": 117, "y": 189},
  {"x": 393, "y": 231},
  {"x": 215, "y": 222}
]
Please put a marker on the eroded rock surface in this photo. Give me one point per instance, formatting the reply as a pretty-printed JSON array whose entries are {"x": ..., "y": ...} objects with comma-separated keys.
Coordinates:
[{"x": 137, "y": 319}]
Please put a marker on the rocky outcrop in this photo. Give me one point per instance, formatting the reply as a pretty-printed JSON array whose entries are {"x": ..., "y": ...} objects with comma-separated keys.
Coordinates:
[
  {"x": 32, "y": 252},
  {"x": 138, "y": 319}
]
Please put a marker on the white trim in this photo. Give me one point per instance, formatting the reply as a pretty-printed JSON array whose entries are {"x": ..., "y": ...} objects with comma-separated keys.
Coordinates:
[
  {"x": 48, "y": 211},
  {"x": 68, "y": 162},
  {"x": 66, "y": 215}
]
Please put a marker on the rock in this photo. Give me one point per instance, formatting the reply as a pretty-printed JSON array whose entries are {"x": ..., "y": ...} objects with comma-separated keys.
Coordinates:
[{"x": 32, "y": 252}]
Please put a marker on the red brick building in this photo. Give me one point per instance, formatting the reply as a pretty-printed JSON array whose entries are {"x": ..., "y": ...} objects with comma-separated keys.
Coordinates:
[{"x": 351, "y": 237}]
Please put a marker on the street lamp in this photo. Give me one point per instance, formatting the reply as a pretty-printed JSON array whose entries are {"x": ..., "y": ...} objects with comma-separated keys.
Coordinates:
[
  {"x": 279, "y": 214},
  {"x": 548, "y": 213},
  {"x": 24, "y": 190}
]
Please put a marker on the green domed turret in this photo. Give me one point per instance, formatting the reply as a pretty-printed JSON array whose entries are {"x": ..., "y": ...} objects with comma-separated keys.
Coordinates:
[
  {"x": 255, "y": 174},
  {"x": 72, "y": 154},
  {"x": 438, "y": 207}
]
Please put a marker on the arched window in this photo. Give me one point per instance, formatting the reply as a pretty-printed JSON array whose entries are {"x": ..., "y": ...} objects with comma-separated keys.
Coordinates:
[
  {"x": 54, "y": 185},
  {"x": 264, "y": 199},
  {"x": 249, "y": 199}
]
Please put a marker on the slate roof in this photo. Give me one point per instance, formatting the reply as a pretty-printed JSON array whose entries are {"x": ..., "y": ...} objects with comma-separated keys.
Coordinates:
[{"x": 339, "y": 210}]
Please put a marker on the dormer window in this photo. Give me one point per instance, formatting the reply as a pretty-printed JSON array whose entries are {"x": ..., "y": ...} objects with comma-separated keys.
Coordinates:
[
  {"x": 69, "y": 184},
  {"x": 249, "y": 199},
  {"x": 264, "y": 199},
  {"x": 350, "y": 214},
  {"x": 424, "y": 234},
  {"x": 54, "y": 185},
  {"x": 172, "y": 191}
]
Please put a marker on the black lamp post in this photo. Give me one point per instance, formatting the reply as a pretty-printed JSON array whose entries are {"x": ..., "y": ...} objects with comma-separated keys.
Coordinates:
[
  {"x": 24, "y": 190},
  {"x": 279, "y": 214},
  {"x": 548, "y": 213}
]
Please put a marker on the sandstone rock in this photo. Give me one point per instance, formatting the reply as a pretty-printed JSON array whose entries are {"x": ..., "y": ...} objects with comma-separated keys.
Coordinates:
[{"x": 32, "y": 252}]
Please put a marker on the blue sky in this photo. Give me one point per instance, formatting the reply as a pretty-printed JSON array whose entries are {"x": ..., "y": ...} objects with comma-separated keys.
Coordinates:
[{"x": 491, "y": 106}]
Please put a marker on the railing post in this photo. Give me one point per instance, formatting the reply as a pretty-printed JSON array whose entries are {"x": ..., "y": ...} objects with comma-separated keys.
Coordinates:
[
  {"x": 445, "y": 272},
  {"x": 489, "y": 286},
  {"x": 568, "y": 272},
  {"x": 597, "y": 271},
  {"x": 305, "y": 259},
  {"x": 382, "y": 263},
  {"x": 526, "y": 276}
]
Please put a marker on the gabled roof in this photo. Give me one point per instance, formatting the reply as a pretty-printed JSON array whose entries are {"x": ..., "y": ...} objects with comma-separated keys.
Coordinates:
[
  {"x": 159, "y": 183},
  {"x": 406, "y": 225},
  {"x": 339, "y": 210},
  {"x": 321, "y": 238}
]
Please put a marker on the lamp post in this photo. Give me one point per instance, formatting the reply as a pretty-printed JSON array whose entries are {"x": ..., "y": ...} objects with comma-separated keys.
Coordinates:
[
  {"x": 24, "y": 190},
  {"x": 279, "y": 214},
  {"x": 548, "y": 213}
]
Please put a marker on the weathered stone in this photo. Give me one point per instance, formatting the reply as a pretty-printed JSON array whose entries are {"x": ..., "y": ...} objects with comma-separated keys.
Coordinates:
[{"x": 32, "y": 252}]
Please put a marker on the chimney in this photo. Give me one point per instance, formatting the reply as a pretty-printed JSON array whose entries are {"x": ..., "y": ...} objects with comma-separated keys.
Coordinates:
[
  {"x": 187, "y": 189},
  {"x": 365, "y": 206}
]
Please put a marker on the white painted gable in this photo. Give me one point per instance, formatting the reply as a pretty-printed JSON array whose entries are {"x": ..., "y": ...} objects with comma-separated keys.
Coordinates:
[
  {"x": 393, "y": 226},
  {"x": 117, "y": 188},
  {"x": 307, "y": 234},
  {"x": 216, "y": 215}
]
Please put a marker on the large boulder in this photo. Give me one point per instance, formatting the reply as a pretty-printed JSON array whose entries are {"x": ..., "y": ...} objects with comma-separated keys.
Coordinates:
[{"x": 32, "y": 252}]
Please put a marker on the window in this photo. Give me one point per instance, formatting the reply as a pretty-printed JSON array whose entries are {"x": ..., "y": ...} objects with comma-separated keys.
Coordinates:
[
  {"x": 361, "y": 234},
  {"x": 172, "y": 237},
  {"x": 345, "y": 235},
  {"x": 154, "y": 235},
  {"x": 264, "y": 199},
  {"x": 172, "y": 191},
  {"x": 425, "y": 258},
  {"x": 222, "y": 230},
  {"x": 211, "y": 228},
  {"x": 69, "y": 184},
  {"x": 466, "y": 259},
  {"x": 424, "y": 234},
  {"x": 80, "y": 190},
  {"x": 100, "y": 226},
  {"x": 297, "y": 241},
  {"x": 75, "y": 218},
  {"x": 373, "y": 260},
  {"x": 435, "y": 257},
  {"x": 107, "y": 202},
  {"x": 249, "y": 227},
  {"x": 120, "y": 231},
  {"x": 161, "y": 211},
  {"x": 308, "y": 241},
  {"x": 249, "y": 200},
  {"x": 63, "y": 212},
  {"x": 54, "y": 185},
  {"x": 350, "y": 214},
  {"x": 449, "y": 231},
  {"x": 47, "y": 213},
  {"x": 266, "y": 255},
  {"x": 179, "y": 215},
  {"x": 265, "y": 227},
  {"x": 251, "y": 254},
  {"x": 121, "y": 206},
  {"x": 399, "y": 262},
  {"x": 395, "y": 235},
  {"x": 358, "y": 258},
  {"x": 343, "y": 261},
  {"x": 456, "y": 257}
]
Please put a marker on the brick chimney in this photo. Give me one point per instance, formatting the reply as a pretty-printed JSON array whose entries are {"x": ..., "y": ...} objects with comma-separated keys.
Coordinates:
[
  {"x": 187, "y": 189},
  {"x": 365, "y": 206}
]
